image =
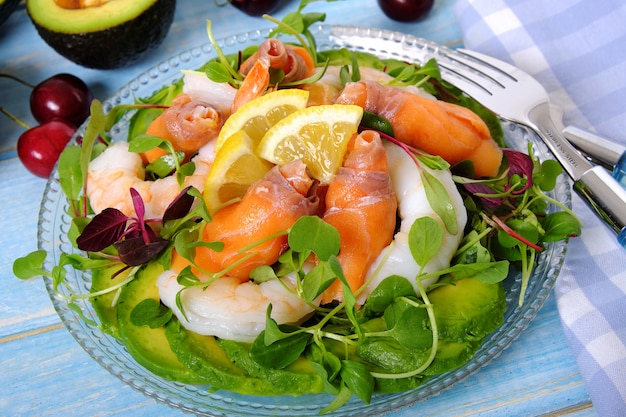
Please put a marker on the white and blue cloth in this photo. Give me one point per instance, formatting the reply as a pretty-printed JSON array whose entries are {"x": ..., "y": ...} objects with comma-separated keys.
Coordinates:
[{"x": 577, "y": 50}]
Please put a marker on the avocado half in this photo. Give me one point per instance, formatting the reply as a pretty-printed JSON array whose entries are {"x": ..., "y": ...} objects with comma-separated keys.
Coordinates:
[
  {"x": 7, "y": 7},
  {"x": 112, "y": 35}
]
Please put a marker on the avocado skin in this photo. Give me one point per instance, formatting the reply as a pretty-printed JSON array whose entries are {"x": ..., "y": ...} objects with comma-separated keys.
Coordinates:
[
  {"x": 7, "y": 8},
  {"x": 117, "y": 46}
]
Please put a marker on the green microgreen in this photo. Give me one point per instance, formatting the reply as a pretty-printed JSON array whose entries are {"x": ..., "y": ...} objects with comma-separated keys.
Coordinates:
[
  {"x": 395, "y": 335},
  {"x": 509, "y": 211}
]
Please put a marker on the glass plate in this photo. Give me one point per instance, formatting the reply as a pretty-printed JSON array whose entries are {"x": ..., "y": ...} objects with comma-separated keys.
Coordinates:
[{"x": 112, "y": 355}]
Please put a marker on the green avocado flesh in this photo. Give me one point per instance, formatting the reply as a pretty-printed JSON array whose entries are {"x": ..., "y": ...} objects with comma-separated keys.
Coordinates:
[
  {"x": 149, "y": 346},
  {"x": 174, "y": 353},
  {"x": 113, "y": 35},
  {"x": 466, "y": 312}
]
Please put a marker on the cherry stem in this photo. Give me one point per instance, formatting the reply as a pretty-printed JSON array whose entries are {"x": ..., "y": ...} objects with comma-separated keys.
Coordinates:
[
  {"x": 15, "y": 119},
  {"x": 19, "y": 80}
]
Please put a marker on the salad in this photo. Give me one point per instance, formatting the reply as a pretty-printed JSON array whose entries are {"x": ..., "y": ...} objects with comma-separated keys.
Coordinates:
[{"x": 171, "y": 284}]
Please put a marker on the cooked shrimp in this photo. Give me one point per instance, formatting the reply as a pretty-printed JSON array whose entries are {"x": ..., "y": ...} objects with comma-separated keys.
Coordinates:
[
  {"x": 396, "y": 259},
  {"x": 361, "y": 205},
  {"x": 115, "y": 171},
  {"x": 230, "y": 309},
  {"x": 453, "y": 132},
  {"x": 200, "y": 87},
  {"x": 254, "y": 85},
  {"x": 270, "y": 206}
]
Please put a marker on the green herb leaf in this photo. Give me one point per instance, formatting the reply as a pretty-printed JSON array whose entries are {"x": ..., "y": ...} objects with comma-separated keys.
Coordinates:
[
  {"x": 151, "y": 313},
  {"x": 408, "y": 325},
  {"x": 425, "y": 239},
  {"x": 357, "y": 377},
  {"x": 560, "y": 225},
  {"x": 276, "y": 349},
  {"x": 262, "y": 273},
  {"x": 316, "y": 281},
  {"x": 30, "y": 266},
  {"x": 327, "y": 365},
  {"x": 165, "y": 164},
  {"x": 373, "y": 121},
  {"x": 341, "y": 398},
  {"x": 385, "y": 293},
  {"x": 439, "y": 199},
  {"x": 312, "y": 233},
  {"x": 487, "y": 272},
  {"x": 550, "y": 171},
  {"x": 217, "y": 72},
  {"x": 71, "y": 175}
]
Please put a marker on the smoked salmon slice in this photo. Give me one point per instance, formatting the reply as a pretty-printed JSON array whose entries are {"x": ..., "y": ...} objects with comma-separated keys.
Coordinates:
[
  {"x": 439, "y": 128},
  {"x": 361, "y": 205},
  {"x": 270, "y": 206}
]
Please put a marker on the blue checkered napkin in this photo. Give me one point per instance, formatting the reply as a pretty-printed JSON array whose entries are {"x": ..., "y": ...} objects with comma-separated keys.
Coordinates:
[{"x": 577, "y": 50}]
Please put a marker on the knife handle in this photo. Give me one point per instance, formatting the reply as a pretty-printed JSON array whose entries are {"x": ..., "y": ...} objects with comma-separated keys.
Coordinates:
[
  {"x": 619, "y": 170},
  {"x": 606, "y": 197}
]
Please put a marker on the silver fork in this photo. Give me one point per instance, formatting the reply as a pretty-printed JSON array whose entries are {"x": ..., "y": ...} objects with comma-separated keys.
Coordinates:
[{"x": 514, "y": 95}]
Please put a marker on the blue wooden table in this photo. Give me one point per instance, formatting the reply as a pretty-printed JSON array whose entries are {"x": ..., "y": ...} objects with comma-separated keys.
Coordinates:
[{"x": 43, "y": 371}]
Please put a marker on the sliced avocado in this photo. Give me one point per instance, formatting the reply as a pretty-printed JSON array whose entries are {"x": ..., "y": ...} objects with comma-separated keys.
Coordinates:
[
  {"x": 104, "y": 304},
  {"x": 7, "y": 7},
  {"x": 148, "y": 346},
  {"x": 468, "y": 310},
  {"x": 204, "y": 356},
  {"x": 296, "y": 379},
  {"x": 112, "y": 35}
]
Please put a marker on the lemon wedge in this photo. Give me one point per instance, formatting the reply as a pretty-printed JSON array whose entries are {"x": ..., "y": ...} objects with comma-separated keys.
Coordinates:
[
  {"x": 235, "y": 168},
  {"x": 258, "y": 115},
  {"x": 318, "y": 135}
]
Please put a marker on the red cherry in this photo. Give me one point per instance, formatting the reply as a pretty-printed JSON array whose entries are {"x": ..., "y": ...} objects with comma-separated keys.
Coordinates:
[
  {"x": 39, "y": 147},
  {"x": 62, "y": 96},
  {"x": 255, "y": 7},
  {"x": 406, "y": 10}
]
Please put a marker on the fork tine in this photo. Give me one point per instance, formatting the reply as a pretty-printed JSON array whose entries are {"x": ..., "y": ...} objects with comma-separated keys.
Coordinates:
[
  {"x": 476, "y": 79},
  {"x": 495, "y": 64},
  {"x": 469, "y": 83}
]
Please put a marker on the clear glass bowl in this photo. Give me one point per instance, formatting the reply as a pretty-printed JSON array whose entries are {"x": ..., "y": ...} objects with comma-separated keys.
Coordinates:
[{"x": 112, "y": 355}]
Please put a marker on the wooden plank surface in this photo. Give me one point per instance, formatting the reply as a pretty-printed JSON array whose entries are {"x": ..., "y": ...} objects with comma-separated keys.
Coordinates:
[{"x": 43, "y": 371}]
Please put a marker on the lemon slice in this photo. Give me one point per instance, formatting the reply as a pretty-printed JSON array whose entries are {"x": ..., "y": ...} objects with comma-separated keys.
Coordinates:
[
  {"x": 235, "y": 168},
  {"x": 318, "y": 135},
  {"x": 256, "y": 116}
]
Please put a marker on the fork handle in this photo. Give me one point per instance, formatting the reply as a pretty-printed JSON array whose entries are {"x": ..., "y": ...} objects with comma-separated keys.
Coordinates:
[
  {"x": 605, "y": 197},
  {"x": 593, "y": 183}
]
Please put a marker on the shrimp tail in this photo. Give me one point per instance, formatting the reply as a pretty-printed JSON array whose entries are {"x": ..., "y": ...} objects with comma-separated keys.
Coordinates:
[
  {"x": 451, "y": 131},
  {"x": 361, "y": 204},
  {"x": 270, "y": 207},
  {"x": 254, "y": 85}
]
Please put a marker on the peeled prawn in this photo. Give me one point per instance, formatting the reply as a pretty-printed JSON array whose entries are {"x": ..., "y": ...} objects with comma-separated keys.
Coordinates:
[
  {"x": 200, "y": 87},
  {"x": 270, "y": 206},
  {"x": 396, "y": 259},
  {"x": 254, "y": 85},
  {"x": 453, "y": 132},
  {"x": 231, "y": 309},
  {"x": 361, "y": 204},
  {"x": 116, "y": 170}
]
